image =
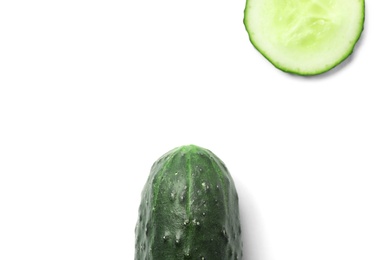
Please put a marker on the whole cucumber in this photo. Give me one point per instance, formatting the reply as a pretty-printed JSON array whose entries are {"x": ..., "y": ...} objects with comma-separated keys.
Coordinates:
[{"x": 189, "y": 209}]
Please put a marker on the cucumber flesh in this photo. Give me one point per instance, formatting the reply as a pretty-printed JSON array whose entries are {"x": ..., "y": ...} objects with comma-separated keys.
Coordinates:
[{"x": 305, "y": 37}]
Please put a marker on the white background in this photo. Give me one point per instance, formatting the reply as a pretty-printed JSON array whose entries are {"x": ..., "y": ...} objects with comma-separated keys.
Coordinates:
[{"x": 93, "y": 92}]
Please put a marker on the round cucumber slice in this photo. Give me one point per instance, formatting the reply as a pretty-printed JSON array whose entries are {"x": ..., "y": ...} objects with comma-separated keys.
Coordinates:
[{"x": 304, "y": 37}]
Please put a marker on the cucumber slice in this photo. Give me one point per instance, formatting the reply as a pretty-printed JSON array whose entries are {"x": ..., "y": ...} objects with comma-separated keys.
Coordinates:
[{"x": 304, "y": 37}]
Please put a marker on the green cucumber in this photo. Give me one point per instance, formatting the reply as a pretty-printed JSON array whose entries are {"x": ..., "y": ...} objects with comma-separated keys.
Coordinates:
[
  {"x": 304, "y": 37},
  {"x": 189, "y": 209}
]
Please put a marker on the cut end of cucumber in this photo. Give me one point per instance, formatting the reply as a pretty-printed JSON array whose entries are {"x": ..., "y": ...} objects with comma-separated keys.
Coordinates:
[{"x": 304, "y": 37}]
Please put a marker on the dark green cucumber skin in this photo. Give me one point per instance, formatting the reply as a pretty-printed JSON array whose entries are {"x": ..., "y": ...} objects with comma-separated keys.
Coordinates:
[{"x": 189, "y": 209}]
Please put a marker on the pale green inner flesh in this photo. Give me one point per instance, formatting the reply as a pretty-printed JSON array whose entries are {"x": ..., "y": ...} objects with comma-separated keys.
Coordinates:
[{"x": 303, "y": 24}]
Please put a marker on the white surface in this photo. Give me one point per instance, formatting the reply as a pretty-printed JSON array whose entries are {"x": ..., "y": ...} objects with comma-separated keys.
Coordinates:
[{"x": 93, "y": 92}]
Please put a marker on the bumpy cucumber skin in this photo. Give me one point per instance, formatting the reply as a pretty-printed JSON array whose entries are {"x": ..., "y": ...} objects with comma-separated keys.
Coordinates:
[
  {"x": 299, "y": 73},
  {"x": 189, "y": 209}
]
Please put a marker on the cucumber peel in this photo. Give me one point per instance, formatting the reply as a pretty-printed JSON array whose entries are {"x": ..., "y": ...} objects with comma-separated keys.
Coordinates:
[{"x": 304, "y": 37}]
